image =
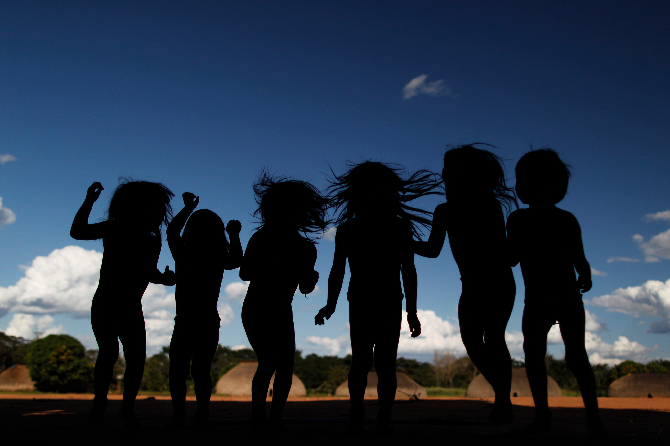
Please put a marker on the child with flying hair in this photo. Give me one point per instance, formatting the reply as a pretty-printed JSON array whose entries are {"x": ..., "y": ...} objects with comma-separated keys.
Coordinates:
[
  {"x": 201, "y": 255},
  {"x": 547, "y": 241},
  {"x": 473, "y": 219},
  {"x": 279, "y": 258},
  {"x": 375, "y": 229},
  {"x": 131, "y": 237}
]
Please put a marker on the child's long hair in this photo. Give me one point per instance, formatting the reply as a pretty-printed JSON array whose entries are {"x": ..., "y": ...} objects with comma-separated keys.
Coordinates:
[
  {"x": 390, "y": 190},
  {"x": 283, "y": 198},
  {"x": 206, "y": 232},
  {"x": 140, "y": 199},
  {"x": 473, "y": 172}
]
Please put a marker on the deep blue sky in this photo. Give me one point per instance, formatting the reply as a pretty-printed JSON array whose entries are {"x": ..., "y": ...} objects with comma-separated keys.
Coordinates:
[{"x": 203, "y": 95}]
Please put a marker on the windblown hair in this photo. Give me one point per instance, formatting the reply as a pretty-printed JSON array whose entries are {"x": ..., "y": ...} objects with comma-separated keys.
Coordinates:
[
  {"x": 472, "y": 172},
  {"x": 140, "y": 199},
  {"x": 542, "y": 177},
  {"x": 282, "y": 198},
  {"x": 390, "y": 190}
]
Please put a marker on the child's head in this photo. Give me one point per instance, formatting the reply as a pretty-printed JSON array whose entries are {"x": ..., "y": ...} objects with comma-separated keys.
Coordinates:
[
  {"x": 289, "y": 203},
  {"x": 205, "y": 231},
  {"x": 378, "y": 189},
  {"x": 542, "y": 177},
  {"x": 142, "y": 203},
  {"x": 473, "y": 173}
]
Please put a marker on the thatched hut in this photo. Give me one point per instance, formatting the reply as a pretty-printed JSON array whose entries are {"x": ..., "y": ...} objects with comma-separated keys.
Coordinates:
[
  {"x": 407, "y": 387},
  {"x": 480, "y": 388},
  {"x": 237, "y": 382},
  {"x": 641, "y": 385},
  {"x": 16, "y": 377}
]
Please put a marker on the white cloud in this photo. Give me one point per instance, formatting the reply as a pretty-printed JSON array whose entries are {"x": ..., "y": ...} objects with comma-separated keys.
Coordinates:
[
  {"x": 238, "y": 347},
  {"x": 621, "y": 259},
  {"x": 330, "y": 234},
  {"x": 159, "y": 325},
  {"x": 595, "y": 272},
  {"x": 331, "y": 346},
  {"x": 419, "y": 86},
  {"x": 6, "y": 158},
  {"x": 623, "y": 349},
  {"x": 664, "y": 216},
  {"x": 658, "y": 247},
  {"x": 651, "y": 299},
  {"x": 592, "y": 323},
  {"x": 436, "y": 334},
  {"x": 62, "y": 282},
  {"x": 27, "y": 325},
  {"x": 226, "y": 313},
  {"x": 7, "y": 216},
  {"x": 236, "y": 291}
]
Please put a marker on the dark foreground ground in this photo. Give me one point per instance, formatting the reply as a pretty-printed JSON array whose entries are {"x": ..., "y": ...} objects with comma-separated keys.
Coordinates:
[{"x": 33, "y": 419}]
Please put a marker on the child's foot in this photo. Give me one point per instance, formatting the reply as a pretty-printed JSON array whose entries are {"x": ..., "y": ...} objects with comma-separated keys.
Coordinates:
[
  {"x": 356, "y": 419},
  {"x": 501, "y": 414},
  {"x": 176, "y": 424},
  {"x": 97, "y": 415},
  {"x": 129, "y": 419},
  {"x": 259, "y": 425},
  {"x": 596, "y": 428},
  {"x": 541, "y": 425},
  {"x": 199, "y": 424},
  {"x": 384, "y": 427}
]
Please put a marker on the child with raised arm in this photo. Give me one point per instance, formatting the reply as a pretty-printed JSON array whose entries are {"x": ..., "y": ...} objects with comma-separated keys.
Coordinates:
[
  {"x": 201, "y": 255},
  {"x": 279, "y": 258},
  {"x": 547, "y": 241},
  {"x": 473, "y": 218},
  {"x": 375, "y": 229},
  {"x": 131, "y": 239}
]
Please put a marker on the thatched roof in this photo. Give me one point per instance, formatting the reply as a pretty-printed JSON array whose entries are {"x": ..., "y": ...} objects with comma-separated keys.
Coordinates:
[
  {"x": 16, "y": 378},
  {"x": 480, "y": 388},
  {"x": 237, "y": 382},
  {"x": 406, "y": 387},
  {"x": 641, "y": 385}
]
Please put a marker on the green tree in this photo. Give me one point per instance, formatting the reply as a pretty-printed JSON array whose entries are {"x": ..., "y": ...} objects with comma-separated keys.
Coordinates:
[
  {"x": 156, "y": 376},
  {"x": 421, "y": 372},
  {"x": 12, "y": 350},
  {"x": 58, "y": 363},
  {"x": 656, "y": 367}
]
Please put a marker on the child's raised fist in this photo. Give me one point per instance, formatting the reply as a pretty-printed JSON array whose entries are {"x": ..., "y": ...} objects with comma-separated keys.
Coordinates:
[
  {"x": 233, "y": 227},
  {"x": 190, "y": 200},
  {"x": 94, "y": 191}
]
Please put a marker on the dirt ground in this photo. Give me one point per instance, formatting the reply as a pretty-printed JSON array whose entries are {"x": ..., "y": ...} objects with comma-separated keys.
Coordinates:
[{"x": 61, "y": 419}]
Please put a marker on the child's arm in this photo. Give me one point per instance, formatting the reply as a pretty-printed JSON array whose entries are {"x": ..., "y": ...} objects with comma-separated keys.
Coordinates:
[
  {"x": 167, "y": 278},
  {"x": 81, "y": 229},
  {"x": 249, "y": 263},
  {"x": 582, "y": 266},
  {"x": 409, "y": 281},
  {"x": 512, "y": 242},
  {"x": 335, "y": 278},
  {"x": 173, "y": 232},
  {"x": 308, "y": 281},
  {"x": 235, "y": 255},
  {"x": 438, "y": 233}
]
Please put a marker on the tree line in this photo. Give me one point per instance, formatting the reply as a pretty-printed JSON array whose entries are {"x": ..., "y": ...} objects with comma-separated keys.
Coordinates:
[{"x": 60, "y": 363}]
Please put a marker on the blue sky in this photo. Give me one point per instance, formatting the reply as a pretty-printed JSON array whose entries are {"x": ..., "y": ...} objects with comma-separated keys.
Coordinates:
[{"x": 202, "y": 95}]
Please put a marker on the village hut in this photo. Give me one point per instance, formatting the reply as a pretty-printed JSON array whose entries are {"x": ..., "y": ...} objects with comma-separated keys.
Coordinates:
[
  {"x": 237, "y": 382},
  {"x": 16, "y": 377},
  {"x": 480, "y": 388},
  {"x": 641, "y": 385},
  {"x": 407, "y": 387}
]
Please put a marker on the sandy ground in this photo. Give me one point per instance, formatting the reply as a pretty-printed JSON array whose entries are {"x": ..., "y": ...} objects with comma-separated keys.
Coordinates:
[{"x": 61, "y": 419}]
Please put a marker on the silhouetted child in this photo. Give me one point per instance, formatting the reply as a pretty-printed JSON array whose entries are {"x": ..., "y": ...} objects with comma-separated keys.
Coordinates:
[
  {"x": 201, "y": 255},
  {"x": 279, "y": 257},
  {"x": 375, "y": 229},
  {"x": 131, "y": 239},
  {"x": 547, "y": 241},
  {"x": 473, "y": 218}
]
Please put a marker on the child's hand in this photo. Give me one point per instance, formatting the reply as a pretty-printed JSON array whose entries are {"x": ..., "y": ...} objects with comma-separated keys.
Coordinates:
[
  {"x": 324, "y": 313},
  {"x": 190, "y": 200},
  {"x": 233, "y": 227},
  {"x": 584, "y": 284},
  {"x": 169, "y": 277},
  {"x": 414, "y": 324},
  {"x": 94, "y": 191}
]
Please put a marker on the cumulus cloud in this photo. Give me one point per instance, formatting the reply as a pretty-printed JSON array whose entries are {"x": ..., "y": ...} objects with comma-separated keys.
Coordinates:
[
  {"x": 329, "y": 345},
  {"x": 330, "y": 234},
  {"x": 6, "y": 158},
  {"x": 595, "y": 272},
  {"x": 621, "y": 350},
  {"x": 7, "y": 216},
  {"x": 621, "y": 259},
  {"x": 62, "y": 282},
  {"x": 27, "y": 326},
  {"x": 658, "y": 247},
  {"x": 651, "y": 299},
  {"x": 419, "y": 86},
  {"x": 662, "y": 216},
  {"x": 436, "y": 334},
  {"x": 236, "y": 291}
]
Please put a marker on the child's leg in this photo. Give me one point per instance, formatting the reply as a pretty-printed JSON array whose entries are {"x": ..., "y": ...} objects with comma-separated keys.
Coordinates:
[
  {"x": 259, "y": 332},
  {"x": 385, "y": 353},
  {"x": 180, "y": 362},
  {"x": 285, "y": 356},
  {"x": 362, "y": 355},
  {"x": 535, "y": 327},
  {"x": 134, "y": 339},
  {"x": 472, "y": 325},
  {"x": 202, "y": 363},
  {"x": 108, "y": 353},
  {"x": 573, "y": 328}
]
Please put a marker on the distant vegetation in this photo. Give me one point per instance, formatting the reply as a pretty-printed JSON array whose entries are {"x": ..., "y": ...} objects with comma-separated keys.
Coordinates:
[{"x": 59, "y": 363}]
